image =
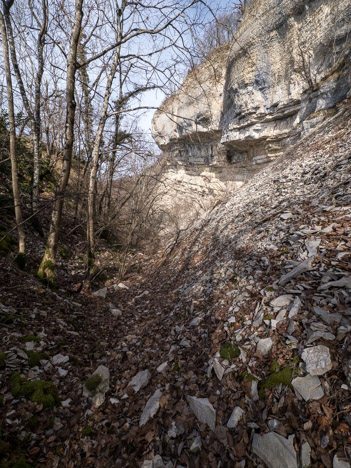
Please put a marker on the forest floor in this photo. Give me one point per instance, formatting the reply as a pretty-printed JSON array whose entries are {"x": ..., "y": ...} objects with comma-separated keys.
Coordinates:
[{"x": 237, "y": 337}]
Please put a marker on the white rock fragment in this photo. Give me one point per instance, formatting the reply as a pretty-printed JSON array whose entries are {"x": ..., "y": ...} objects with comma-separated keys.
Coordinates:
[
  {"x": 116, "y": 312},
  {"x": 338, "y": 463},
  {"x": 219, "y": 370},
  {"x": 101, "y": 293},
  {"x": 264, "y": 345},
  {"x": 309, "y": 387},
  {"x": 274, "y": 450},
  {"x": 317, "y": 360},
  {"x": 151, "y": 407},
  {"x": 196, "y": 445},
  {"x": 162, "y": 367},
  {"x": 59, "y": 359},
  {"x": 203, "y": 410},
  {"x": 282, "y": 301},
  {"x": 234, "y": 419},
  {"x": 140, "y": 380},
  {"x": 306, "y": 265},
  {"x": 305, "y": 455},
  {"x": 121, "y": 286},
  {"x": 114, "y": 401},
  {"x": 62, "y": 372},
  {"x": 195, "y": 321},
  {"x": 185, "y": 343},
  {"x": 312, "y": 246}
]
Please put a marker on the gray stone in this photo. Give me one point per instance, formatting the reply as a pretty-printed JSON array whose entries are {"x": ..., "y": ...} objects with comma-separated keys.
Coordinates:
[
  {"x": 338, "y": 463},
  {"x": 162, "y": 367},
  {"x": 235, "y": 417},
  {"x": 306, "y": 265},
  {"x": 274, "y": 450},
  {"x": 196, "y": 445},
  {"x": 265, "y": 345},
  {"x": 219, "y": 370},
  {"x": 295, "y": 307},
  {"x": 195, "y": 321},
  {"x": 309, "y": 387},
  {"x": 312, "y": 246},
  {"x": 116, "y": 312},
  {"x": 101, "y": 293},
  {"x": 140, "y": 380},
  {"x": 282, "y": 301},
  {"x": 98, "y": 395},
  {"x": 344, "y": 282},
  {"x": 203, "y": 410},
  {"x": 151, "y": 407},
  {"x": 59, "y": 359},
  {"x": 305, "y": 454},
  {"x": 185, "y": 343},
  {"x": 317, "y": 360}
]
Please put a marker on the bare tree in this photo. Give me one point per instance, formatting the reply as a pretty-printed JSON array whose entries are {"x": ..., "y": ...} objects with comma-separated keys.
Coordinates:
[
  {"x": 11, "y": 113},
  {"x": 46, "y": 268}
]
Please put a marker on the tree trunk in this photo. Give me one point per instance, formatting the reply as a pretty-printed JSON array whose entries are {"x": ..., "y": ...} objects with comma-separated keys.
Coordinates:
[
  {"x": 95, "y": 158},
  {"x": 14, "y": 170},
  {"x": 46, "y": 269}
]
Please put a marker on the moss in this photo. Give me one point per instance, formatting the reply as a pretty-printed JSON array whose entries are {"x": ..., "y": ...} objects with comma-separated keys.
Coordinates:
[
  {"x": 176, "y": 367},
  {"x": 93, "y": 382},
  {"x": 274, "y": 366},
  {"x": 35, "y": 358},
  {"x": 7, "y": 319},
  {"x": 284, "y": 377},
  {"x": 269, "y": 289},
  {"x": 46, "y": 272},
  {"x": 63, "y": 252},
  {"x": 229, "y": 351},
  {"x": 32, "y": 424},
  {"x": 8, "y": 244},
  {"x": 87, "y": 431},
  {"x": 268, "y": 317},
  {"x": 247, "y": 377},
  {"x": 27, "y": 338},
  {"x": 284, "y": 252},
  {"x": 2, "y": 359},
  {"x": 38, "y": 391}
]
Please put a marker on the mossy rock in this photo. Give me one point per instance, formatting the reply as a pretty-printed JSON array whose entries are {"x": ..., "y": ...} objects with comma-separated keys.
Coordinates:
[
  {"x": 35, "y": 358},
  {"x": 2, "y": 359},
  {"x": 20, "y": 260},
  {"x": 29, "y": 338},
  {"x": 9, "y": 244},
  {"x": 229, "y": 351},
  {"x": 93, "y": 382},
  {"x": 38, "y": 391},
  {"x": 283, "y": 377}
]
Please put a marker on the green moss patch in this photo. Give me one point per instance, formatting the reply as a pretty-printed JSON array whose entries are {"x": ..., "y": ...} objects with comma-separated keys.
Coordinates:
[
  {"x": 247, "y": 377},
  {"x": 283, "y": 377},
  {"x": 38, "y": 391},
  {"x": 8, "y": 244},
  {"x": 176, "y": 367},
  {"x": 28, "y": 338},
  {"x": 229, "y": 351},
  {"x": 35, "y": 358},
  {"x": 93, "y": 382}
]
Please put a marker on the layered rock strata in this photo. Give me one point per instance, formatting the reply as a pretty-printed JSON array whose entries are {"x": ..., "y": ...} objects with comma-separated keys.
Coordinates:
[{"x": 284, "y": 73}]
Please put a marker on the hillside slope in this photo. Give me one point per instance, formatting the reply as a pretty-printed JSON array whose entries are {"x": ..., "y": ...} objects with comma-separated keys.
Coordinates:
[{"x": 229, "y": 314}]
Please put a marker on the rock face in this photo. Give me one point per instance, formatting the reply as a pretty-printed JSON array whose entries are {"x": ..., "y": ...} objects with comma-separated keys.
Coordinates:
[{"x": 284, "y": 73}]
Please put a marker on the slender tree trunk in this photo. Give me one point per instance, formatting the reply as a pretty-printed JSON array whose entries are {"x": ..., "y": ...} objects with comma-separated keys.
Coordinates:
[
  {"x": 95, "y": 158},
  {"x": 14, "y": 169},
  {"x": 46, "y": 269}
]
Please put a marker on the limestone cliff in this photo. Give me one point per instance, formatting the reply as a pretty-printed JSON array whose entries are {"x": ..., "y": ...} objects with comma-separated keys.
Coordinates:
[{"x": 284, "y": 73}]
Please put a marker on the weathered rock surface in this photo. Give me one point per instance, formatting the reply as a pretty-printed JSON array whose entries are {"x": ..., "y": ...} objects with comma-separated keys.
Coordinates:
[
  {"x": 283, "y": 74},
  {"x": 203, "y": 410},
  {"x": 274, "y": 450}
]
